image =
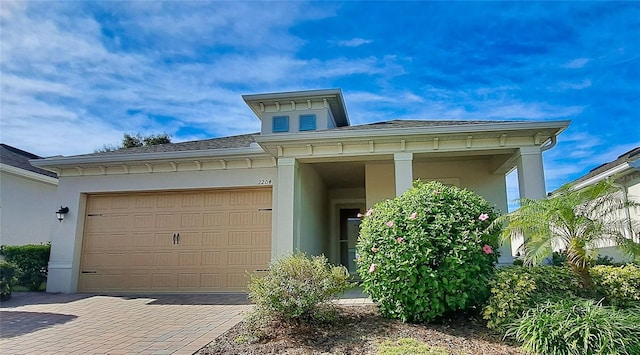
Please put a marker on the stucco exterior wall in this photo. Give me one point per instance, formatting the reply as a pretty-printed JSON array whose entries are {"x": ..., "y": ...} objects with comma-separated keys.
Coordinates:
[
  {"x": 67, "y": 236},
  {"x": 27, "y": 210},
  {"x": 473, "y": 174},
  {"x": 314, "y": 222}
]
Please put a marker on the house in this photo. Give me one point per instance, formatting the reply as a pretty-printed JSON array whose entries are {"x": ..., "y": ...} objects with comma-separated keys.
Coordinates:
[
  {"x": 196, "y": 216},
  {"x": 625, "y": 172},
  {"x": 27, "y": 196}
]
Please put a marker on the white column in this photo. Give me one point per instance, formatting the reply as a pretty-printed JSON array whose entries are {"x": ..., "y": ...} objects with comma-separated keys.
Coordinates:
[
  {"x": 404, "y": 171},
  {"x": 531, "y": 173},
  {"x": 285, "y": 209}
]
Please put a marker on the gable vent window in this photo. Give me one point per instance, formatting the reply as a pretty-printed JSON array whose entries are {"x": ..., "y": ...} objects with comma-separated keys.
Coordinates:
[
  {"x": 307, "y": 122},
  {"x": 280, "y": 124}
]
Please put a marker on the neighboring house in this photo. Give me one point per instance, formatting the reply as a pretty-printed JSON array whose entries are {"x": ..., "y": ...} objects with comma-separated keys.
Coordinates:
[
  {"x": 196, "y": 216},
  {"x": 27, "y": 199},
  {"x": 625, "y": 172}
]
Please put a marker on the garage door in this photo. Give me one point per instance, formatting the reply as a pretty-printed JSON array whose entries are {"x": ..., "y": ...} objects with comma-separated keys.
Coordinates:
[{"x": 175, "y": 241}]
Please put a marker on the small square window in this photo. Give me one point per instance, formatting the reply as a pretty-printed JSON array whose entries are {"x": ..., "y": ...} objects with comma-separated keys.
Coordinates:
[
  {"x": 280, "y": 124},
  {"x": 307, "y": 122}
]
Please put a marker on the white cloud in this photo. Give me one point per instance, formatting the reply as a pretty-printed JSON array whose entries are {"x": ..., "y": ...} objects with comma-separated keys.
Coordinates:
[
  {"x": 576, "y": 63},
  {"x": 354, "y": 42}
]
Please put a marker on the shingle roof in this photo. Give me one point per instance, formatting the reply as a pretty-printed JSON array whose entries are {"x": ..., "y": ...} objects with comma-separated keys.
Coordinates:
[
  {"x": 240, "y": 141},
  {"x": 20, "y": 159},
  {"x": 245, "y": 140},
  {"x": 631, "y": 155}
]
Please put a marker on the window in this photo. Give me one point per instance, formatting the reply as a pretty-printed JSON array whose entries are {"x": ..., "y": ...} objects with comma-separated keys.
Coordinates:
[
  {"x": 280, "y": 124},
  {"x": 307, "y": 122}
]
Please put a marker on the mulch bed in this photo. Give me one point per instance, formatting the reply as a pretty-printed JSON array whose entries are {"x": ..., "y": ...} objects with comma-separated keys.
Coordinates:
[{"x": 359, "y": 330}]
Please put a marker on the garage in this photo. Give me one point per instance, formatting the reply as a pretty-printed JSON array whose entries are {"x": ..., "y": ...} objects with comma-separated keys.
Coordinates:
[{"x": 175, "y": 241}]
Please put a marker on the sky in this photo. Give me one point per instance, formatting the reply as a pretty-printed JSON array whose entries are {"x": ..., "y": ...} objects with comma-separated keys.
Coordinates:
[{"x": 77, "y": 75}]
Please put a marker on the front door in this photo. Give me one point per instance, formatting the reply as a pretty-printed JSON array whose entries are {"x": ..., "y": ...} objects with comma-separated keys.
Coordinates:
[{"x": 349, "y": 231}]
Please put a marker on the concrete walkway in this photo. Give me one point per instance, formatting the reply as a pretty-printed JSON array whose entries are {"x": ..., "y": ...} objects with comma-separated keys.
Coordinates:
[
  {"x": 44, "y": 323},
  {"x": 41, "y": 323}
]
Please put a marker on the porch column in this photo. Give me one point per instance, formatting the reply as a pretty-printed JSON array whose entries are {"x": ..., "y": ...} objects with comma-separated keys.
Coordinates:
[
  {"x": 404, "y": 171},
  {"x": 531, "y": 173},
  {"x": 286, "y": 219}
]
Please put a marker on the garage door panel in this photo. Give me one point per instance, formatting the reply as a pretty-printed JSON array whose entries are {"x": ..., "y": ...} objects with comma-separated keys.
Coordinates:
[
  {"x": 214, "y": 239},
  {"x": 190, "y": 258},
  {"x": 213, "y": 258},
  {"x": 129, "y": 242}
]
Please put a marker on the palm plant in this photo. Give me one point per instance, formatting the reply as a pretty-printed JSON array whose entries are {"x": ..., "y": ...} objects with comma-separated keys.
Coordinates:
[{"x": 578, "y": 220}]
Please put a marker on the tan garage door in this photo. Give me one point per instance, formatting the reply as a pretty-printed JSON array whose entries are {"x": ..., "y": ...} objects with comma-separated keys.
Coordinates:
[{"x": 175, "y": 241}]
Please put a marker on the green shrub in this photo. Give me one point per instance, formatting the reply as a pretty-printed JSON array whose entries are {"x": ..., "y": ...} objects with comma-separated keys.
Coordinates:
[
  {"x": 427, "y": 252},
  {"x": 32, "y": 262},
  {"x": 7, "y": 279},
  {"x": 515, "y": 289},
  {"x": 579, "y": 327},
  {"x": 620, "y": 286},
  {"x": 298, "y": 288}
]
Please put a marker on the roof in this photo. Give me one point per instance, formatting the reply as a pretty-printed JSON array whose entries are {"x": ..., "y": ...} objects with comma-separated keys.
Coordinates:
[
  {"x": 333, "y": 98},
  {"x": 245, "y": 140},
  {"x": 19, "y": 158},
  {"x": 414, "y": 123},
  {"x": 239, "y": 141},
  {"x": 632, "y": 155}
]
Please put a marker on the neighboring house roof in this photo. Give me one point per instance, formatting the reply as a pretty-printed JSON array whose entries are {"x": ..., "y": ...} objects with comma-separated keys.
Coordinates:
[
  {"x": 625, "y": 162},
  {"x": 19, "y": 158}
]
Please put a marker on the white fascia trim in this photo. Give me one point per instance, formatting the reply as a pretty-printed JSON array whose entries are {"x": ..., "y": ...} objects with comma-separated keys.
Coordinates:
[
  {"x": 28, "y": 174},
  {"x": 406, "y": 131},
  {"x": 144, "y": 157},
  {"x": 603, "y": 175}
]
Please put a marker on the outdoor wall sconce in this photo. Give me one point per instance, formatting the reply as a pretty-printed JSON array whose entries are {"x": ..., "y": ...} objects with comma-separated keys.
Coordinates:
[{"x": 61, "y": 212}]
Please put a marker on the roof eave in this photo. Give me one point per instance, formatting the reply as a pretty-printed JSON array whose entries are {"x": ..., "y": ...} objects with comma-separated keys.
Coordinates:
[{"x": 559, "y": 127}]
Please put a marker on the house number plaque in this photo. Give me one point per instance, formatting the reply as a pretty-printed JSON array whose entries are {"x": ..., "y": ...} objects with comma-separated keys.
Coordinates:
[{"x": 264, "y": 181}]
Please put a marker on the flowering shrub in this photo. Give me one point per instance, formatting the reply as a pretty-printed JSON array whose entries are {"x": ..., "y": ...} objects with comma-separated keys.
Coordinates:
[{"x": 428, "y": 251}]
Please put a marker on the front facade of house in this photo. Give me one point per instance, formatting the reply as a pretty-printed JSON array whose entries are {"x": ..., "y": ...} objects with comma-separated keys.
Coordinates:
[
  {"x": 27, "y": 199},
  {"x": 196, "y": 216}
]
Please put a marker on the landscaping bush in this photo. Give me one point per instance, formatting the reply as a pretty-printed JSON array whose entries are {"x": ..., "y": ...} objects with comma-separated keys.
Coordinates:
[
  {"x": 428, "y": 251},
  {"x": 7, "y": 279},
  {"x": 518, "y": 288},
  {"x": 579, "y": 327},
  {"x": 32, "y": 262},
  {"x": 619, "y": 285},
  {"x": 297, "y": 288}
]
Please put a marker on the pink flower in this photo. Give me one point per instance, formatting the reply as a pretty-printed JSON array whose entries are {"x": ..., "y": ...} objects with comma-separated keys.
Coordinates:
[
  {"x": 372, "y": 268},
  {"x": 487, "y": 249},
  {"x": 360, "y": 215},
  {"x": 400, "y": 239},
  {"x": 369, "y": 212},
  {"x": 374, "y": 249},
  {"x": 483, "y": 217},
  {"x": 389, "y": 224},
  {"x": 414, "y": 215}
]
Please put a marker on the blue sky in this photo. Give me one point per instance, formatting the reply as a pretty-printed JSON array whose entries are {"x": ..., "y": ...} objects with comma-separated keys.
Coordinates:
[{"x": 77, "y": 75}]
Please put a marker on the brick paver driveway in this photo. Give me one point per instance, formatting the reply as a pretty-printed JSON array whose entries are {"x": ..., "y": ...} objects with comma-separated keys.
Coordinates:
[{"x": 41, "y": 323}]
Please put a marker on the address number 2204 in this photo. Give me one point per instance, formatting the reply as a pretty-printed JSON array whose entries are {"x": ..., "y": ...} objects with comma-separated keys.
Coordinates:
[{"x": 264, "y": 181}]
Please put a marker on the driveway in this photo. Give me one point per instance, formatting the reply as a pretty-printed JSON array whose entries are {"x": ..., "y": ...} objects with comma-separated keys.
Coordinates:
[{"x": 42, "y": 323}]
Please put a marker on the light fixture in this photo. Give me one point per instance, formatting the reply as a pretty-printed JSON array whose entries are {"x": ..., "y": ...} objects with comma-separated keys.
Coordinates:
[{"x": 61, "y": 212}]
